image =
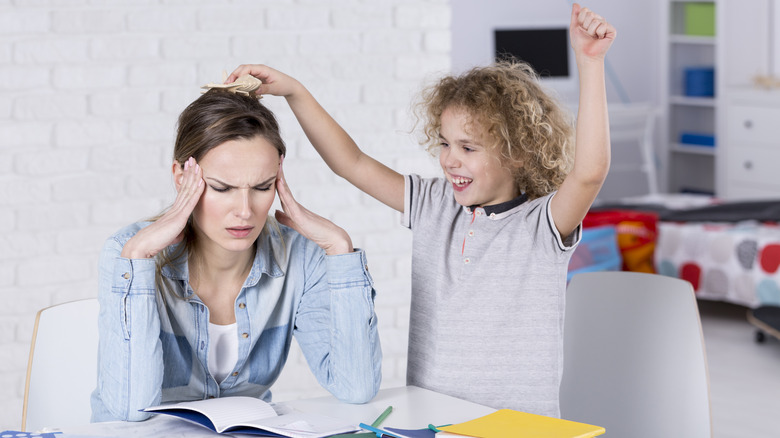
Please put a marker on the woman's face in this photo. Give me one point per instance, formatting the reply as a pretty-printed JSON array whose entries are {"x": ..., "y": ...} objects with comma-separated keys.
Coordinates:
[{"x": 240, "y": 178}]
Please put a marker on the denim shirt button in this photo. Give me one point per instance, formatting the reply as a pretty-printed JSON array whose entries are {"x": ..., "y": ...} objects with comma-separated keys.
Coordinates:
[
  {"x": 202, "y": 345},
  {"x": 235, "y": 373},
  {"x": 202, "y": 309},
  {"x": 241, "y": 306},
  {"x": 126, "y": 275},
  {"x": 244, "y": 335}
]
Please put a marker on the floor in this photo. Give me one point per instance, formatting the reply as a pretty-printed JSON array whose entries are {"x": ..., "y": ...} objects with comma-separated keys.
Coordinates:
[{"x": 744, "y": 375}]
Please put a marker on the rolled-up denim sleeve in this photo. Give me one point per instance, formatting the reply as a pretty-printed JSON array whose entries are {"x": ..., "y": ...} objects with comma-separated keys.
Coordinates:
[
  {"x": 336, "y": 326},
  {"x": 130, "y": 360}
]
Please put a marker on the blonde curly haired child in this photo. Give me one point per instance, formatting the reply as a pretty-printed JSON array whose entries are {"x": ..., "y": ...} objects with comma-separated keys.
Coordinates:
[{"x": 492, "y": 239}]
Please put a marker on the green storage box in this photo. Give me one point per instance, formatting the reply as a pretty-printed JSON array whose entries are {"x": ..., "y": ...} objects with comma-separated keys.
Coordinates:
[{"x": 700, "y": 19}]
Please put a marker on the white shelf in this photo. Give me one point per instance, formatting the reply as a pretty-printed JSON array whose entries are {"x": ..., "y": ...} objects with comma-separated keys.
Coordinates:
[
  {"x": 692, "y": 39},
  {"x": 682, "y": 148},
  {"x": 693, "y": 101},
  {"x": 688, "y": 165}
]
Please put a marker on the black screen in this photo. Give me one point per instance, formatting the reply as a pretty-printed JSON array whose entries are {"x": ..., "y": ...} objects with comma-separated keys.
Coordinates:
[{"x": 547, "y": 50}]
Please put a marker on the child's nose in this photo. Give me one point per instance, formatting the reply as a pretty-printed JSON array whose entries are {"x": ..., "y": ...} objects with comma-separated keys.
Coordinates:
[{"x": 449, "y": 159}]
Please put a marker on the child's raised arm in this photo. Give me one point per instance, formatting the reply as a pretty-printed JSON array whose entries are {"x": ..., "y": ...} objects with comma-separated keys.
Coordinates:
[
  {"x": 591, "y": 37},
  {"x": 330, "y": 140}
]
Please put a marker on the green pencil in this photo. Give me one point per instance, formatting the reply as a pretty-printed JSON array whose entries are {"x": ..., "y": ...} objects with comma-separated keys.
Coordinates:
[{"x": 381, "y": 418}]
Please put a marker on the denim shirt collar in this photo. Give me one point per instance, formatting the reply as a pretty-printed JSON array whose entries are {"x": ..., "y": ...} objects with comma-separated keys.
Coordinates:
[{"x": 264, "y": 263}]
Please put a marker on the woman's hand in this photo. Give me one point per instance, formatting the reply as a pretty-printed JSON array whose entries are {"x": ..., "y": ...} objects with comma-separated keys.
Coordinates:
[
  {"x": 168, "y": 229},
  {"x": 329, "y": 236},
  {"x": 275, "y": 82}
]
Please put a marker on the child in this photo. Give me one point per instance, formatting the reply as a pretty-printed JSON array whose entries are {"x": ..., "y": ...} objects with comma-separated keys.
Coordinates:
[{"x": 492, "y": 239}]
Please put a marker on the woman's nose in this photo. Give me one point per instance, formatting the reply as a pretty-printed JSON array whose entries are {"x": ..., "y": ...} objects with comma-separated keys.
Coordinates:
[{"x": 244, "y": 204}]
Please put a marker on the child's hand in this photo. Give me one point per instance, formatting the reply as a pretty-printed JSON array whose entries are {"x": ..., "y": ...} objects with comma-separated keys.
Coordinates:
[
  {"x": 329, "y": 236},
  {"x": 591, "y": 35},
  {"x": 275, "y": 82},
  {"x": 168, "y": 229}
]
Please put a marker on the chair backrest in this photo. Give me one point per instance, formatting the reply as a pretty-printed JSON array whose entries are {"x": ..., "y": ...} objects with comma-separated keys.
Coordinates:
[
  {"x": 62, "y": 369},
  {"x": 634, "y": 358}
]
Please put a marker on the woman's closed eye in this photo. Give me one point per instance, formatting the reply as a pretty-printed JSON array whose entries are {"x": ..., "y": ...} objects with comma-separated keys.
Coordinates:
[{"x": 223, "y": 189}]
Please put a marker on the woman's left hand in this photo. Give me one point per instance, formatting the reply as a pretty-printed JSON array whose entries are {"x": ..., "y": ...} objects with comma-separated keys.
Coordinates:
[{"x": 329, "y": 236}]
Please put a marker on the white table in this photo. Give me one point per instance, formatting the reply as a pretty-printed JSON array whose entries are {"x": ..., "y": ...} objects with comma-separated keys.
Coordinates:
[{"x": 413, "y": 408}]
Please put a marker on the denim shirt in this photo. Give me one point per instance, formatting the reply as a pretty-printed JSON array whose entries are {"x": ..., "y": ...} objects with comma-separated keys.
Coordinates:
[{"x": 154, "y": 343}]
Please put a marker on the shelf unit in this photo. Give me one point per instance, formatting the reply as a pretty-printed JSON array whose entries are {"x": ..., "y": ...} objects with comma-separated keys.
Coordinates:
[
  {"x": 749, "y": 119},
  {"x": 690, "y": 167}
]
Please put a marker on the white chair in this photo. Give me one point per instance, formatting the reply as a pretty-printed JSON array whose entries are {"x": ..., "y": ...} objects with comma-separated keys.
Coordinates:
[
  {"x": 62, "y": 369},
  {"x": 634, "y": 358},
  {"x": 632, "y": 129}
]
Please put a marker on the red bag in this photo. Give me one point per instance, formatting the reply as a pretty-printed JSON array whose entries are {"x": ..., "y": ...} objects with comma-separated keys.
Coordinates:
[{"x": 637, "y": 233}]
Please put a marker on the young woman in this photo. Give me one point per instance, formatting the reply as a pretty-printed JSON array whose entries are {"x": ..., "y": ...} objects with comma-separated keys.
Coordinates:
[{"x": 203, "y": 300}]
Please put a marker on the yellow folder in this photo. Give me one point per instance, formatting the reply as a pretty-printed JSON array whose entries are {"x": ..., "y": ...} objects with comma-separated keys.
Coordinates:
[{"x": 510, "y": 423}]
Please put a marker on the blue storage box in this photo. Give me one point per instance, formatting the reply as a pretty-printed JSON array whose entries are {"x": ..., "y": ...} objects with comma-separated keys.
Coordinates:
[
  {"x": 697, "y": 139},
  {"x": 598, "y": 251},
  {"x": 700, "y": 81}
]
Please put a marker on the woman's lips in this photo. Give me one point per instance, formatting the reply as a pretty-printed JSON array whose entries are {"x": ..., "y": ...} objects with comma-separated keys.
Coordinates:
[{"x": 239, "y": 231}]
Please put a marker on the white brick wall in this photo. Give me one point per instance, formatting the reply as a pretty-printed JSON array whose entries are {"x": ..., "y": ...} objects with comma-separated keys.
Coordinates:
[{"x": 89, "y": 95}]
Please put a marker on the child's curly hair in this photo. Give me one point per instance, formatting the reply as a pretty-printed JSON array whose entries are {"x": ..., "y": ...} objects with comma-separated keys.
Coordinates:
[{"x": 529, "y": 129}]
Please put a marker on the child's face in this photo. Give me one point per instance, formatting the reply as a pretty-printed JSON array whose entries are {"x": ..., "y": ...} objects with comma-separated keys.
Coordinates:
[
  {"x": 239, "y": 177},
  {"x": 476, "y": 173}
]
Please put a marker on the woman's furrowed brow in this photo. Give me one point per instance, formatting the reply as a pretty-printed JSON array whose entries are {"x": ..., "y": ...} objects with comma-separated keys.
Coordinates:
[{"x": 263, "y": 183}]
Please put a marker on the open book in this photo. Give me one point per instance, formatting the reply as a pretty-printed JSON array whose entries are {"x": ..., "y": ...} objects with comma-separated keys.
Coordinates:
[{"x": 250, "y": 415}]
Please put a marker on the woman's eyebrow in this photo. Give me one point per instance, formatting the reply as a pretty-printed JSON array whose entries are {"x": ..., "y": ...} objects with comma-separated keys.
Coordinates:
[{"x": 217, "y": 180}]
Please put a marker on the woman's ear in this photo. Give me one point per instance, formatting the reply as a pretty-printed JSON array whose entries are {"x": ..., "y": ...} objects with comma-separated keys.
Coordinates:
[{"x": 178, "y": 174}]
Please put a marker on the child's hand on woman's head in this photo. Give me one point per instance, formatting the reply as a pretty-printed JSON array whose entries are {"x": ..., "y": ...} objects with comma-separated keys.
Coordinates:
[
  {"x": 167, "y": 230},
  {"x": 590, "y": 33},
  {"x": 329, "y": 236},
  {"x": 275, "y": 82}
]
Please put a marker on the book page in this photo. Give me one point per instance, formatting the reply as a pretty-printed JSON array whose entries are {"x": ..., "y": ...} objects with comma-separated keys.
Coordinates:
[
  {"x": 225, "y": 411},
  {"x": 298, "y": 424}
]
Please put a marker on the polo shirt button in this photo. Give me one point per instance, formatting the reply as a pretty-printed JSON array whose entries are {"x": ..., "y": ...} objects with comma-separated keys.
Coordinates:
[
  {"x": 467, "y": 260},
  {"x": 126, "y": 275},
  {"x": 492, "y": 215},
  {"x": 241, "y": 306},
  {"x": 471, "y": 233},
  {"x": 479, "y": 212},
  {"x": 244, "y": 335}
]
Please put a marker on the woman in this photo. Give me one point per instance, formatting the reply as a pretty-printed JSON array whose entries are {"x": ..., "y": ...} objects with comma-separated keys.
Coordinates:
[{"x": 203, "y": 300}]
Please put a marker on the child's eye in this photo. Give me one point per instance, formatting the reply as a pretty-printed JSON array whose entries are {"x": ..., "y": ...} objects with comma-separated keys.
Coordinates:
[
  {"x": 219, "y": 189},
  {"x": 468, "y": 149},
  {"x": 444, "y": 145}
]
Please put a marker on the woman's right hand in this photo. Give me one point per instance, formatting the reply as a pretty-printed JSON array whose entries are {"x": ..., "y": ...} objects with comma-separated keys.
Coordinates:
[
  {"x": 275, "y": 82},
  {"x": 168, "y": 229}
]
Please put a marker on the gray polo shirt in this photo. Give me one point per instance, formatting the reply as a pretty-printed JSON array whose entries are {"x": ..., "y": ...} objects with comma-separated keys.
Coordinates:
[{"x": 487, "y": 305}]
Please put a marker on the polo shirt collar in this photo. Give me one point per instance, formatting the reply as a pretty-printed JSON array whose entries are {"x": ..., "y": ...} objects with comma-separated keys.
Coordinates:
[{"x": 502, "y": 207}]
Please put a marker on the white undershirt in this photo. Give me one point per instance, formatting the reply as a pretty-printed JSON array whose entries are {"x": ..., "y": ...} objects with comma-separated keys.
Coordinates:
[{"x": 223, "y": 350}]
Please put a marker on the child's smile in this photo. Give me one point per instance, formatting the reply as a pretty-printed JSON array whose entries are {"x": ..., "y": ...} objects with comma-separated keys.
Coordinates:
[{"x": 475, "y": 172}]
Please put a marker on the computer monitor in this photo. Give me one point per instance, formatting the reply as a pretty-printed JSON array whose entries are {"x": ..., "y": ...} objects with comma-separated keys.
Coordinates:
[{"x": 545, "y": 49}]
